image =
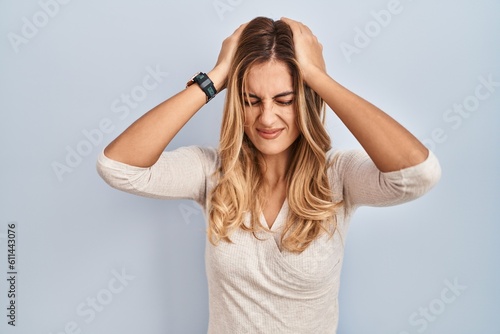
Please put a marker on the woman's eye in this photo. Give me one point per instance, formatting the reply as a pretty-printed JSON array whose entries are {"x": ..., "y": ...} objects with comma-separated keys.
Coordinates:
[
  {"x": 251, "y": 103},
  {"x": 285, "y": 103}
]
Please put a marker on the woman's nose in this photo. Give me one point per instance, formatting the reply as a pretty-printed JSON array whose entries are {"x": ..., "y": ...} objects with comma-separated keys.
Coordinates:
[{"x": 267, "y": 115}]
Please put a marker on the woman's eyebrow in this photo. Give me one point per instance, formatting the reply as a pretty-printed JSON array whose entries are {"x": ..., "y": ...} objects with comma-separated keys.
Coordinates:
[
  {"x": 284, "y": 94},
  {"x": 251, "y": 95}
]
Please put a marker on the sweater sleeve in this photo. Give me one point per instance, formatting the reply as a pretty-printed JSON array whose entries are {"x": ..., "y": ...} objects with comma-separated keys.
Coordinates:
[
  {"x": 179, "y": 174},
  {"x": 363, "y": 184}
]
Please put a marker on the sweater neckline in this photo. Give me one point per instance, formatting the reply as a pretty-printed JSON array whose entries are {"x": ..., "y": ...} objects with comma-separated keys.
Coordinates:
[{"x": 278, "y": 221}]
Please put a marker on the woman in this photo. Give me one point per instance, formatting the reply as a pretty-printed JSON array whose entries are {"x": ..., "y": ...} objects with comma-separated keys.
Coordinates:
[{"x": 277, "y": 200}]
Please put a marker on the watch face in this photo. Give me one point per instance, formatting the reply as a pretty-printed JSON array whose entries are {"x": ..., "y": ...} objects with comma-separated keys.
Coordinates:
[
  {"x": 200, "y": 77},
  {"x": 205, "y": 84}
]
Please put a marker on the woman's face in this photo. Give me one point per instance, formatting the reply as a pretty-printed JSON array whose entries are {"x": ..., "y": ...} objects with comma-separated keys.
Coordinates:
[{"x": 270, "y": 115}]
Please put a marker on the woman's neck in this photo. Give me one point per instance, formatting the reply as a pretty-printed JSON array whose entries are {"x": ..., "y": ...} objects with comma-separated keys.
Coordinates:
[{"x": 275, "y": 169}]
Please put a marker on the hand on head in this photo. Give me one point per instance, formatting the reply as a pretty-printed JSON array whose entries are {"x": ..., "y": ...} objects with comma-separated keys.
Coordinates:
[
  {"x": 308, "y": 50},
  {"x": 228, "y": 50}
]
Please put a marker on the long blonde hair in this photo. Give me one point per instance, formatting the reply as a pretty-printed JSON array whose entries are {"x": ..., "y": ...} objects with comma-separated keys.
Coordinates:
[{"x": 239, "y": 177}]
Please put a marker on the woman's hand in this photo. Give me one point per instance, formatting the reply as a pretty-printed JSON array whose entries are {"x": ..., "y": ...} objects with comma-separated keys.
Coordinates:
[
  {"x": 226, "y": 55},
  {"x": 142, "y": 143},
  {"x": 308, "y": 50},
  {"x": 390, "y": 145}
]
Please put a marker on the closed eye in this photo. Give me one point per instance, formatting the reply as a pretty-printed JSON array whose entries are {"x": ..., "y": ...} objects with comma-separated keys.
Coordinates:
[
  {"x": 284, "y": 103},
  {"x": 250, "y": 103},
  {"x": 283, "y": 99}
]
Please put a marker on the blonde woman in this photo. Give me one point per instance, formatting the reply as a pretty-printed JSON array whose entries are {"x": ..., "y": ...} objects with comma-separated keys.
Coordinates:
[{"x": 276, "y": 197}]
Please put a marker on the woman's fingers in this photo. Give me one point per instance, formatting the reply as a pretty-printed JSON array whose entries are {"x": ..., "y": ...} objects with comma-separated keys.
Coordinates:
[
  {"x": 228, "y": 50},
  {"x": 297, "y": 27},
  {"x": 308, "y": 50}
]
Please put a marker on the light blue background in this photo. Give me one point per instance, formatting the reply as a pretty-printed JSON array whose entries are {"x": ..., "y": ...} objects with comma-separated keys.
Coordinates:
[{"x": 75, "y": 233}]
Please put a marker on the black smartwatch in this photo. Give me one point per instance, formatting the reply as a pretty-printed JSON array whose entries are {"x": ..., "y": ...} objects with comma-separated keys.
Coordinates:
[{"x": 205, "y": 84}]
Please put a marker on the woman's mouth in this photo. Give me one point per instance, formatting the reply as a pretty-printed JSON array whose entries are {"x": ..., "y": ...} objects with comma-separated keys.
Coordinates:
[{"x": 269, "y": 133}]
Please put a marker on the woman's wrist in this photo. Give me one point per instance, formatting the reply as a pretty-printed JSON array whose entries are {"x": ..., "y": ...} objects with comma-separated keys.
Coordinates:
[
  {"x": 315, "y": 78},
  {"x": 218, "y": 76}
]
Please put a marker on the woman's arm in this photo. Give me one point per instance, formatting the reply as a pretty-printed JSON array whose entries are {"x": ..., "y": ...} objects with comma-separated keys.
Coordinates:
[
  {"x": 388, "y": 143},
  {"x": 142, "y": 143}
]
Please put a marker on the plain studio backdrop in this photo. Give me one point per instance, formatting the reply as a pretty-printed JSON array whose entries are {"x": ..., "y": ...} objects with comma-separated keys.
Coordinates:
[{"x": 90, "y": 259}]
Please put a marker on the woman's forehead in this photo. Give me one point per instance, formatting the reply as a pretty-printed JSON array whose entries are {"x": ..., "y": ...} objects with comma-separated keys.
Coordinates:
[{"x": 269, "y": 79}]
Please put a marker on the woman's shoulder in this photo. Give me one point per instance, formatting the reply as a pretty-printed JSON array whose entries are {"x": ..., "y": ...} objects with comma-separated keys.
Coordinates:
[
  {"x": 205, "y": 156},
  {"x": 204, "y": 153},
  {"x": 341, "y": 159}
]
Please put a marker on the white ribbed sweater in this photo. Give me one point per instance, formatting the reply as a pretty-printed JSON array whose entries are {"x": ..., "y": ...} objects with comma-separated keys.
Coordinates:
[{"x": 254, "y": 287}]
